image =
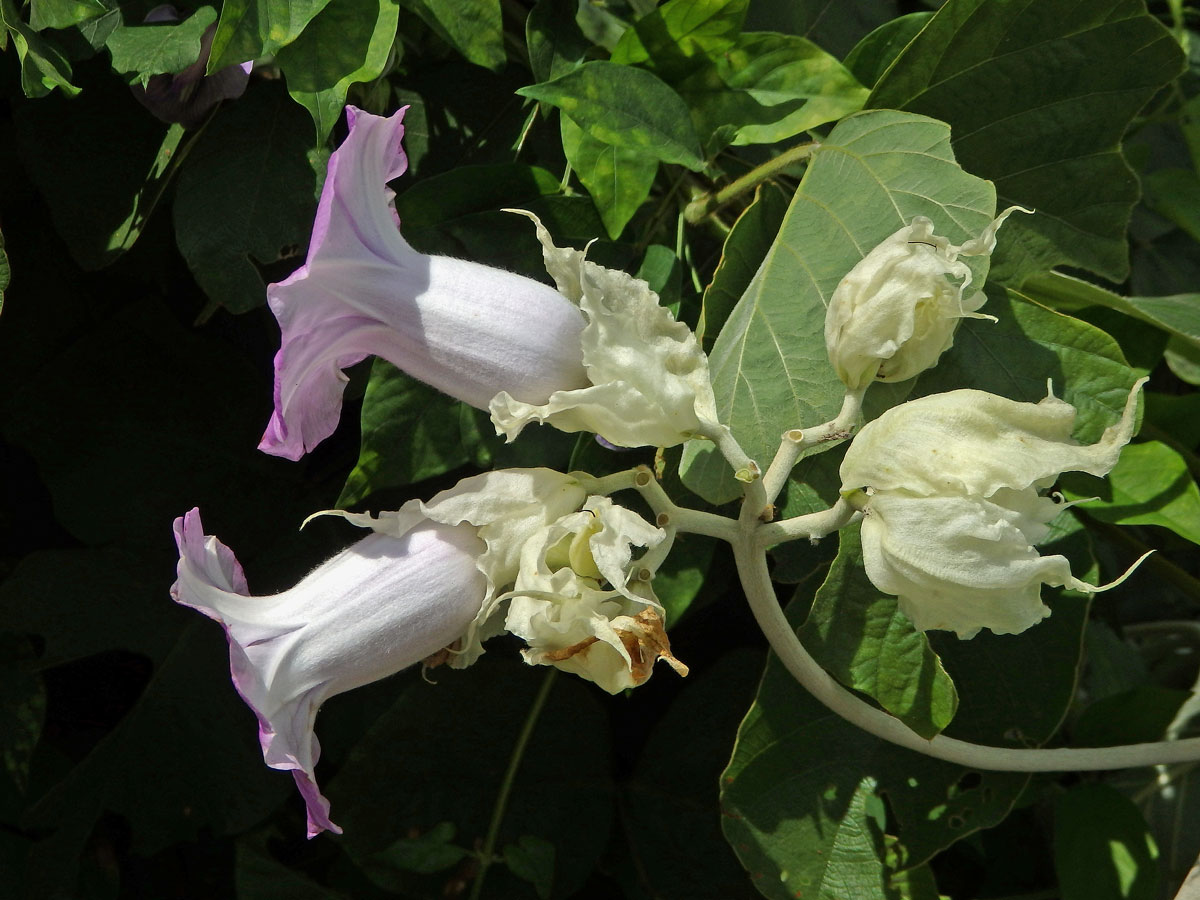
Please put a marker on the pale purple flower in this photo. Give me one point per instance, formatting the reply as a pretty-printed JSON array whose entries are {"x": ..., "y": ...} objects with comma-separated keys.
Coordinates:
[
  {"x": 377, "y": 607},
  {"x": 467, "y": 329}
]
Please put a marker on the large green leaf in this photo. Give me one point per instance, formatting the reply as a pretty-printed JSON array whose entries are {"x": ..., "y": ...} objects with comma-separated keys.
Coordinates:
[
  {"x": 246, "y": 195},
  {"x": 1178, "y": 315},
  {"x": 1039, "y": 95},
  {"x": 1150, "y": 485},
  {"x": 472, "y": 27},
  {"x": 348, "y": 42},
  {"x": 627, "y": 107},
  {"x": 871, "y": 176},
  {"x": 798, "y": 786},
  {"x": 159, "y": 48},
  {"x": 863, "y": 640},
  {"x": 619, "y": 179},
  {"x": 249, "y": 29},
  {"x": 410, "y": 432}
]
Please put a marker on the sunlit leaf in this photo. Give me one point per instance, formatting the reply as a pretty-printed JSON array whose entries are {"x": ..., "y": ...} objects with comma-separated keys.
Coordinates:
[
  {"x": 624, "y": 106},
  {"x": 249, "y": 29},
  {"x": 681, "y": 35},
  {"x": 1151, "y": 485},
  {"x": 159, "y": 48},
  {"x": 618, "y": 179},
  {"x": 472, "y": 27}
]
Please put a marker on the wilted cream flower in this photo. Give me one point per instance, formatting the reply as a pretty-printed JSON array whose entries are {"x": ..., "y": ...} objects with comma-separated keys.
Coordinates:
[
  {"x": 579, "y": 608},
  {"x": 648, "y": 382},
  {"x": 895, "y": 312},
  {"x": 949, "y": 488}
]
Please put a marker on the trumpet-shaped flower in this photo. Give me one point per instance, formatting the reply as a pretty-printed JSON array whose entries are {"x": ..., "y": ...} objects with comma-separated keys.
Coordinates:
[
  {"x": 896, "y": 311},
  {"x": 948, "y": 485},
  {"x": 467, "y": 329},
  {"x": 577, "y": 606},
  {"x": 504, "y": 509},
  {"x": 648, "y": 377},
  {"x": 377, "y": 607}
]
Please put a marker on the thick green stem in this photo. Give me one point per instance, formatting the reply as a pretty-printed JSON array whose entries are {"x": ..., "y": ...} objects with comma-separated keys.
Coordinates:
[
  {"x": 709, "y": 203},
  {"x": 488, "y": 851}
]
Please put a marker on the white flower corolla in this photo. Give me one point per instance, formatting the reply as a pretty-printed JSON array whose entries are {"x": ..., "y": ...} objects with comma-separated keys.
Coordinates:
[
  {"x": 895, "y": 312},
  {"x": 948, "y": 485},
  {"x": 377, "y": 607},
  {"x": 648, "y": 377},
  {"x": 506, "y": 508},
  {"x": 579, "y": 608}
]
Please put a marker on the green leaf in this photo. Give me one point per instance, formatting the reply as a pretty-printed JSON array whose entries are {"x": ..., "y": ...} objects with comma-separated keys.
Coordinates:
[
  {"x": 160, "y": 48},
  {"x": 532, "y": 859},
  {"x": 618, "y": 179},
  {"x": 681, "y": 35},
  {"x": 555, "y": 42},
  {"x": 43, "y": 66},
  {"x": 249, "y": 29},
  {"x": 246, "y": 195},
  {"x": 870, "y": 177},
  {"x": 769, "y": 87},
  {"x": 410, "y": 432},
  {"x": 862, "y": 639},
  {"x": 1140, "y": 715},
  {"x": 348, "y": 42},
  {"x": 801, "y": 777},
  {"x": 63, "y": 13},
  {"x": 426, "y": 853},
  {"x": 472, "y": 27},
  {"x": 627, "y": 107},
  {"x": 745, "y": 246},
  {"x": 872, "y": 55},
  {"x": 1178, "y": 315},
  {"x": 1102, "y": 847},
  {"x": 1038, "y": 96},
  {"x": 1150, "y": 485}
]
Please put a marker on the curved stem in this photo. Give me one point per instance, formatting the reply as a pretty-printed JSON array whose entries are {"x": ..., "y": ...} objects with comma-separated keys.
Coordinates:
[
  {"x": 752, "y": 566},
  {"x": 694, "y": 521},
  {"x": 796, "y": 441},
  {"x": 709, "y": 203},
  {"x": 487, "y": 853},
  {"x": 812, "y": 526}
]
